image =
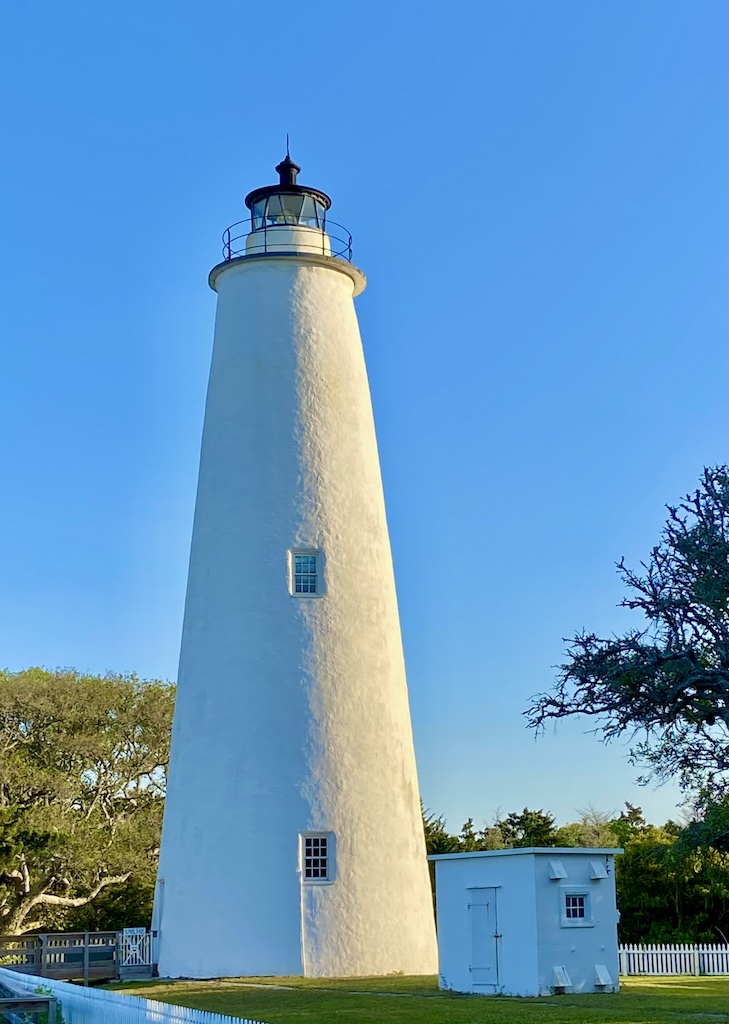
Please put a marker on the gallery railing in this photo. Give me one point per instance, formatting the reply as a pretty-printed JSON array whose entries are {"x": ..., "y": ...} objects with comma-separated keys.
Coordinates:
[{"x": 331, "y": 240}]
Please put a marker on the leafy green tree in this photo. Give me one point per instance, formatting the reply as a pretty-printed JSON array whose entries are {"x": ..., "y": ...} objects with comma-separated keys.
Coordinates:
[
  {"x": 529, "y": 828},
  {"x": 666, "y": 681},
  {"x": 82, "y": 780},
  {"x": 668, "y": 892},
  {"x": 127, "y": 905},
  {"x": 629, "y": 824},
  {"x": 488, "y": 838},
  {"x": 594, "y": 828},
  {"x": 468, "y": 839},
  {"x": 672, "y": 882},
  {"x": 437, "y": 838}
]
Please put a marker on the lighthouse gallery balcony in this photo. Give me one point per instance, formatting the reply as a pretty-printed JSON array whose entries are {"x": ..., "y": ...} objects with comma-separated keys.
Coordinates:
[{"x": 285, "y": 231}]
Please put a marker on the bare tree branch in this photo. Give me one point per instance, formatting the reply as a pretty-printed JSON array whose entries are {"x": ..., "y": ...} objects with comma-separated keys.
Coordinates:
[{"x": 666, "y": 684}]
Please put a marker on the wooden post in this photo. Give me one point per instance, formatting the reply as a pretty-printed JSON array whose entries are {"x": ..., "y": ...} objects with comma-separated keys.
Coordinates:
[
  {"x": 695, "y": 969},
  {"x": 52, "y": 1010},
  {"x": 623, "y": 961},
  {"x": 43, "y": 956},
  {"x": 86, "y": 958}
]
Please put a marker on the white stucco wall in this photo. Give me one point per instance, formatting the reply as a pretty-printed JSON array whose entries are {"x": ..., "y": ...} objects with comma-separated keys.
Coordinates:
[
  {"x": 513, "y": 878},
  {"x": 292, "y": 714},
  {"x": 533, "y": 938},
  {"x": 578, "y": 948}
]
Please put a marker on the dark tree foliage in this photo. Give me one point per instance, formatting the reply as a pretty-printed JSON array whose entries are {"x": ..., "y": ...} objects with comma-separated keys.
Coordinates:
[
  {"x": 665, "y": 684},
  {"x": 710, "y": 827},
  {"x": 670, "y": 892},
  {"x": 518, "y": 829},
  {"x": 437, "y": 839}
]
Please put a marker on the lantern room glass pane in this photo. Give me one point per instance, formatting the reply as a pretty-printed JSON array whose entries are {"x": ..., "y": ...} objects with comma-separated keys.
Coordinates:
[
  {"x": 258, "y": 213},
  {"x": 291, "y": 206},
  {"x": 274, "y": 213},
  {"x": 308, "y": 212}
]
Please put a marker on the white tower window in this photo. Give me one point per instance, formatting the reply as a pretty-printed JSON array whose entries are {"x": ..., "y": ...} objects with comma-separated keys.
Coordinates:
[
  {"x": 305, "y": 573},
  {"x": 317, "y": 857}
]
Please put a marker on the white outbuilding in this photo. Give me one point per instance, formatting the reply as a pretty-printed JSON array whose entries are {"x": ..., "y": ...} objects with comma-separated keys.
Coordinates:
[{"x": 527, "y": 922}]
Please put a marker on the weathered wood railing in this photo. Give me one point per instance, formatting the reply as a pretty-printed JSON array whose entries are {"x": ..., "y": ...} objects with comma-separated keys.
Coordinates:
[
  {"x": 676, "y": 959},
  {"x": 77, "y": 956}
]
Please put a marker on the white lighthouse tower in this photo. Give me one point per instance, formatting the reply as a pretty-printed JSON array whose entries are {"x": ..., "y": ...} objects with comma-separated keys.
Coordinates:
[{"x": 292, "y": 841}]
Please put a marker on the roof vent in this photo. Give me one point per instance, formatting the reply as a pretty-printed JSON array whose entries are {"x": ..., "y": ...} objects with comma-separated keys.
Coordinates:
[
  {"x": 602, "y": 977},
  {"x": 556, "y": 869},
  {"x": 560, "y": 978},
  {"x": 598, "y": 869}
]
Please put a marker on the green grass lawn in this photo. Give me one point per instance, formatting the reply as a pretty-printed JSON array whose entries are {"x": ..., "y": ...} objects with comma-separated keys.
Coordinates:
[{"x": 401, "y": 1000}]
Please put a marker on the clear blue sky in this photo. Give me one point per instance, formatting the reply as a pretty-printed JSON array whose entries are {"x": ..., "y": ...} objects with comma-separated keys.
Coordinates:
[{"x": 537, "y": 195}]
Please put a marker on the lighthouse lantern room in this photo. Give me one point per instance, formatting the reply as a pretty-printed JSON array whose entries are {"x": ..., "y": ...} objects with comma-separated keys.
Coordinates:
[{"x": 287, "y": 217}]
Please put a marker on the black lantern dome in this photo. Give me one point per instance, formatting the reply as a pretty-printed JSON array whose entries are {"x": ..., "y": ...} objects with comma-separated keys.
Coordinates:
[{"x": 287, "y": 203}]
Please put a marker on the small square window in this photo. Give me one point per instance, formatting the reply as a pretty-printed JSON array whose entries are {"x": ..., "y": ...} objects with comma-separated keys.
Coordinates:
[
  {"x": 305, "y": 573},
  {"x": 576, "y": 909},
  {"x": 317, "y": 857}
]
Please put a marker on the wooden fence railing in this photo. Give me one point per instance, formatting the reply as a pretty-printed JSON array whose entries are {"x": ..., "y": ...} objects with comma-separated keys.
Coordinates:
[
  {"x": 678, "y": 959},
  {"x": 77, "y": 956}
]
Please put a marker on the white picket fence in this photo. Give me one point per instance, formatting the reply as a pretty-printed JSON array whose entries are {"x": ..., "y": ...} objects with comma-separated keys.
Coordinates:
[
  {"x": 95, "y": 1006},
  {"x": 682, "y": 959}
]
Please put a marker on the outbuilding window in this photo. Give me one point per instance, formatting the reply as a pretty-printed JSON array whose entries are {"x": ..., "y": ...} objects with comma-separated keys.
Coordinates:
[{"x": 576, "y": 908}]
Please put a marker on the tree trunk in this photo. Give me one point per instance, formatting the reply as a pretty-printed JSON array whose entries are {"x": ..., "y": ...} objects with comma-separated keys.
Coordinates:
[{"x": 16, "y": 925}]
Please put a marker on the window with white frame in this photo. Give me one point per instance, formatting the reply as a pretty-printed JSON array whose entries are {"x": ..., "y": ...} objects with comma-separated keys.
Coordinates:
[
  {"x": 576, "y": 909},
  {"x": 305, "y": 573},
  {"x": 317, "y": 857}
]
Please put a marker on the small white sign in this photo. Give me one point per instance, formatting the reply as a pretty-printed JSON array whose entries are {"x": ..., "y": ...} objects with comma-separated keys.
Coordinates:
[{"x": 130, "y": 932}]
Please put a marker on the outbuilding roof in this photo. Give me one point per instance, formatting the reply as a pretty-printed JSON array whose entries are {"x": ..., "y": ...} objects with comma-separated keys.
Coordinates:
[{"x": 549, "y": 851}]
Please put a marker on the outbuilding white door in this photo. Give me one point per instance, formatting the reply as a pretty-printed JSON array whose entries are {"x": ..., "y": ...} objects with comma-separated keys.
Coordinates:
[{"x": 483, "y": 925}]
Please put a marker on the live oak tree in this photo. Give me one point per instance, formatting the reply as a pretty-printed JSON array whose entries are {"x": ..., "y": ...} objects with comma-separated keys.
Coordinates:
[
  {"x": 666, "y": 682},
  {"x": 82, "y": 778}
]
